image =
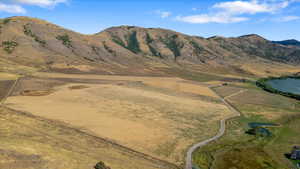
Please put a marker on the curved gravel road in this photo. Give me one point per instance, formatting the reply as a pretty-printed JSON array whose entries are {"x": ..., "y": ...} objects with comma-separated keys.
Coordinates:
[{"x": 189, "y": 156}]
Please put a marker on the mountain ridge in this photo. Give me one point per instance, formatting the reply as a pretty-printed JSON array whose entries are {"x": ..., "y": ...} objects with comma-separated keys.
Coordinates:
[{"x": 45, "y": 46}]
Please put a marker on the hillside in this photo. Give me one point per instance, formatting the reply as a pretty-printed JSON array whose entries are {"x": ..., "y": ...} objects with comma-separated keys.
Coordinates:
[{"x": 30, "y": 44}]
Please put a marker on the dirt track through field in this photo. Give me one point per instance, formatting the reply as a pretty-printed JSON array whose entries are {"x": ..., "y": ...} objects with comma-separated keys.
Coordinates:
[
  {"x": 221, "y": 132},
  {"x": 10, "y": 89}
]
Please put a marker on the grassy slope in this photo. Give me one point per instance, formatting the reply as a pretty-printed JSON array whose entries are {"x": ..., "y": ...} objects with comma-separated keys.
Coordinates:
[
  {"x": 31, "y": 142},
  {"x": 236, "y": 149}
]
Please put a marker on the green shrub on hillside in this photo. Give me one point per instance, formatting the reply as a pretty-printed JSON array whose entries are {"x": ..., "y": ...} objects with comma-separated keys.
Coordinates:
[
  {"x": 171, "y": 43},
  {"x": 197, "y": 48},
  {"x": 148, "y": 39},
  {"x": 66, "y": 40},
  {"x": 119, "y": 42},
  {"x": 101, "y": 165},
  {"x": 6, "y": 21},
  {"x": 154, "y": 51},
  {"x": 108, "y": 49},
  {"x": 9, "y": 46},
  {"x": 28, "y": 32},
  {"x": 133, "y": 44}
]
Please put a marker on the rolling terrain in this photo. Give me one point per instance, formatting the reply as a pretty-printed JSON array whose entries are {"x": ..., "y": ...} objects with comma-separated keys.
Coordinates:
[
  {"x": 140, "y": 98},
  {"x": 29, "y": 45}
]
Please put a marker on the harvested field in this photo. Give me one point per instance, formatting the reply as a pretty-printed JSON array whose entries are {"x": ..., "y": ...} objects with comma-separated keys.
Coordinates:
[
  {"x": 7, "y": 76},
  {"x": 227, "y": 90},
  {"x": 173, "y": 83},
  {"x": 137, "y": 112},
  {"x": 30, "y": 142},
  {"x": 29, "y": 85},
  {"x": 269, "y": 105}
]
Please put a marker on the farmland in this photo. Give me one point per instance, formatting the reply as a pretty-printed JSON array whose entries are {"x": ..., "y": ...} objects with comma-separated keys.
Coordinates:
[
  {"x": 157, "y": 116},
  {"x": 235, "y": 148}
]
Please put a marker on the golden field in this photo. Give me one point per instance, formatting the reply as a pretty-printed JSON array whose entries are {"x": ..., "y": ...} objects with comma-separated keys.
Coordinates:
[{"x": 158, "y": 116}]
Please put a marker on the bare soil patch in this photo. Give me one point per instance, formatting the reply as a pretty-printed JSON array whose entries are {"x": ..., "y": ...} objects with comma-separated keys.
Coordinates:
[
  {"x": 36, "y": 92},
  {"x": 77, "y": 87}
]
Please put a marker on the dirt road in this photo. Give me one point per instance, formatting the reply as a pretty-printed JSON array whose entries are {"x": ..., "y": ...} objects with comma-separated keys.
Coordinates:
[{"x": 236, "y": 113}]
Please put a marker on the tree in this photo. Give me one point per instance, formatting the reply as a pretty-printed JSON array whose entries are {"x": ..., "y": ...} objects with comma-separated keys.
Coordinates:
[{"x": 101, "y": 165}]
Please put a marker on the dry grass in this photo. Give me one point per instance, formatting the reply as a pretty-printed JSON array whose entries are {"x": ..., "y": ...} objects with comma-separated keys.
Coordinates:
[
  {"x": 173, "y": 83},
  {"x": 29, "y": 142},
  {"x": 141, "y": 117},
  {"x": 7, "y": 76},
  {"x": 270, "y": 106},
  {"x": 227, "y": 90}
]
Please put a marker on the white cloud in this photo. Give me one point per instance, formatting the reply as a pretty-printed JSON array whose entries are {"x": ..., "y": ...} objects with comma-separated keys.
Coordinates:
[
  {"x": 238, "y": 11},
  {"x": 41, "y": 3},
  {"x": 12, "y": 8},
  {"x": 288, "y": 18},
  {"x": 242, "y": 7},
  {"x": 16, "y": 6},
  {"x": 253, "y": 6},
  {"x": 163, "y": 14},
  {"x": 217, "y": 18}
]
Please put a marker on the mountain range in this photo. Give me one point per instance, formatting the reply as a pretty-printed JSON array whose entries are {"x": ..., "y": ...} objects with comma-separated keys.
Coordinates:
[
  {"x": 290, "y": 42},
  {"x": 30, "y": 44}
]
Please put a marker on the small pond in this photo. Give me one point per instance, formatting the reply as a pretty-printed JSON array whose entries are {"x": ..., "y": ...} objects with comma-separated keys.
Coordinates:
[{"x": 256, "y": 124}]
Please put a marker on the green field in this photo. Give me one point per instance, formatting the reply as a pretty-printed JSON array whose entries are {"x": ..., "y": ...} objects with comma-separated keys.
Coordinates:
[{"x": 239, "y": 150}]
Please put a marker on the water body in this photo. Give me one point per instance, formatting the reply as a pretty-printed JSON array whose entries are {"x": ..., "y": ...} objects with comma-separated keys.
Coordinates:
[
  {"x": 288, "y": 85},
  {"x": 256, "y": 124}
]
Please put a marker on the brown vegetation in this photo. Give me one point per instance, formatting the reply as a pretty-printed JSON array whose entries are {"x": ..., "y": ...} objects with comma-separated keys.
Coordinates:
[
  {"x": 172, "y": 113},
  {"x": 138, "y": 51}
]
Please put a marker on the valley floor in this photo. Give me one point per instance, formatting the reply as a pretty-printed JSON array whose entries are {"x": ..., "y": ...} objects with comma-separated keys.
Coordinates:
[
  {"x": 157, "y": 116},
  {"x": 73, "y": 121}
]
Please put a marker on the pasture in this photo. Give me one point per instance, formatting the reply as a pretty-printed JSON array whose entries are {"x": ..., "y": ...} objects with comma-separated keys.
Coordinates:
[{"x": 157, "y": 116}]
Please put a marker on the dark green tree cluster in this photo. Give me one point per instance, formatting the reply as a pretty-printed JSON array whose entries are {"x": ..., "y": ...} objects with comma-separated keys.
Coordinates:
[
  {"x": 6, "y": 21},
  {"x": 197, "y": 48},
  {"x": 172, "y": 44},
  {"x": 259, "y": 132},
  {"x": 132, "y": 42},
  {"x": 66, "y": 40},
  {"x": 28, "y": 32},
  {"x": 154, "y": 52},
  {"x": 101, "y": 165},
  {"x": 9, "y": 46}
]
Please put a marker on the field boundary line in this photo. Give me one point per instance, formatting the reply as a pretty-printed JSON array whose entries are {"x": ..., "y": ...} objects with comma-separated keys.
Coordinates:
[{"x": 9, "y": 92}]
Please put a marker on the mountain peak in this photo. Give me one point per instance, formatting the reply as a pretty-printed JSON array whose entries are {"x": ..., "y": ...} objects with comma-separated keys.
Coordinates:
[{"x": 252, "y": 36}]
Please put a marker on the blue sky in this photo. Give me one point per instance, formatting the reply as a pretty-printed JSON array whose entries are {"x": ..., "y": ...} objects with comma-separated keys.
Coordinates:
[{"x": 273, "y": 19}]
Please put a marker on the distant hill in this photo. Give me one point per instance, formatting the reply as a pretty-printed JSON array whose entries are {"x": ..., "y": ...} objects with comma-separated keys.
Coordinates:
[
  {"x": 291, "y": 42},
  {"x": 30, "y": 44}
]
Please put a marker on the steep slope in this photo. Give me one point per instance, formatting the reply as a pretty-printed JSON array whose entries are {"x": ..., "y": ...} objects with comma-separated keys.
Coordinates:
[{"x": 41, "y": 46}]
